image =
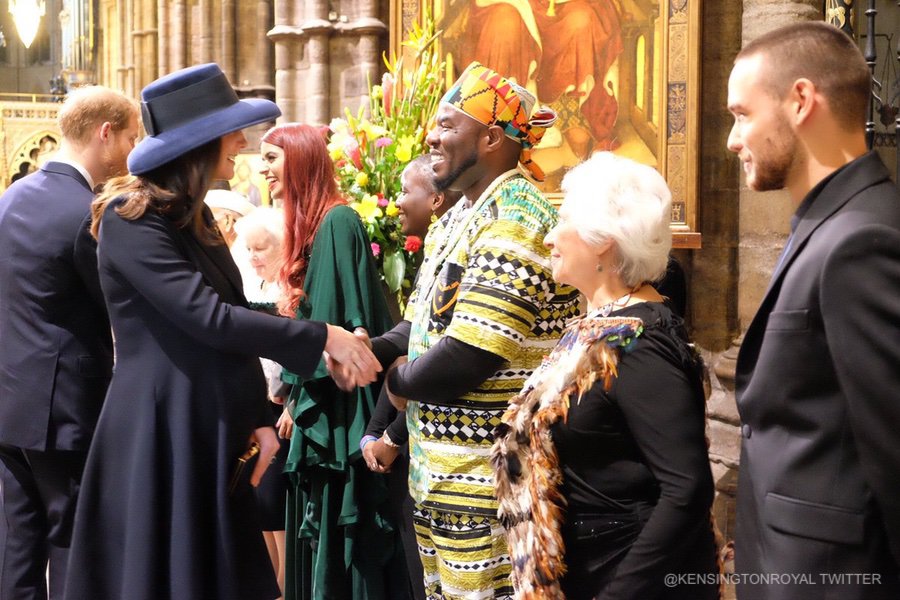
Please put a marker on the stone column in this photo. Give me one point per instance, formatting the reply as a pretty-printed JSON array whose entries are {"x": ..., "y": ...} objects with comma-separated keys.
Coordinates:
[
  {"x": 713, "y": 274},
  {"x": 229, "y": 41},
  {"x": 287, "y": 36},
  {"x": 131, "y": 87},
  {"x": 369, "y": 31},
  {"x": 150, "y": 42},
  {"x": 206, "y": 25},
  {"x": 263, "y": 75},
  {"x": 318, "y": 32},
  {"x": 310, "y": 63},
  {"x": 179, "y": 39},
  {"x": 162, "y": 16},
  {"x": 123, "y": 72}
]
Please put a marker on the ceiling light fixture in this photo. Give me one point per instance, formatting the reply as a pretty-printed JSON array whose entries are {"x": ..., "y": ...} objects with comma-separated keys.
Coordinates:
[{"x": 27, "y": 17}]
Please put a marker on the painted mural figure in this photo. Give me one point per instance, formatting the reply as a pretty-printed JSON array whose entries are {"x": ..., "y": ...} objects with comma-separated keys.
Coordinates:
[{"x": 561, "y": 50}]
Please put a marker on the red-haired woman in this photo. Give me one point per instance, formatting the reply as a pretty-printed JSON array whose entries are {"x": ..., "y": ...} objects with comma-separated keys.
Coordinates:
[{"x": 335, "y": 549}]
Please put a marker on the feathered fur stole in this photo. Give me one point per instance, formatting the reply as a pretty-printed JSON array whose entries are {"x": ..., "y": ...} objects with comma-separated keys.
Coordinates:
[{"x": 526, "y": 466}]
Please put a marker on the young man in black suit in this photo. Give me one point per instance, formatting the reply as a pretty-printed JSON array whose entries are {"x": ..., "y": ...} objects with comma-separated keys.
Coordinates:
[
  {"x": 55, "y": 343},
  {"x": 819, "y": 370}
]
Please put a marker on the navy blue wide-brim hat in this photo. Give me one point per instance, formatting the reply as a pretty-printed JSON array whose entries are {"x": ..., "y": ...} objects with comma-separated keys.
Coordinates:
[{"x": 188, "y": 108}]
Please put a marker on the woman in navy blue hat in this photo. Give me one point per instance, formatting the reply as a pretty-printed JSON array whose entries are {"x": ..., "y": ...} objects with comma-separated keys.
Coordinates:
[{"x": 162, "y": 514}]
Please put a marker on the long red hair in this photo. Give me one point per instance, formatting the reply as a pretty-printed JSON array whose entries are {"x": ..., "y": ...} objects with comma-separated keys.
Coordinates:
[{"x": 310, "y": 191}]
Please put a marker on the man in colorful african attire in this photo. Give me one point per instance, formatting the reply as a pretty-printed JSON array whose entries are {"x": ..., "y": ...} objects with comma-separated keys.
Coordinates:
[{"x": 484, "y": 313}]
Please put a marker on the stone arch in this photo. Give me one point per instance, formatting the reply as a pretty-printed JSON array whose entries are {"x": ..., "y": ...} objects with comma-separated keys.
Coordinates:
[{"x": 32, "y": 154}]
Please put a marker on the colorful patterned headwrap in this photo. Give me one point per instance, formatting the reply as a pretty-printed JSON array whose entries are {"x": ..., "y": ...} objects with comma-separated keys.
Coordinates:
[{"x": 490, "y": 98}]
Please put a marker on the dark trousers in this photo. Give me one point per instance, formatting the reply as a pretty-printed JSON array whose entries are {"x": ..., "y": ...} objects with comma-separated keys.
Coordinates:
[
  {"x": 38, "y": 491},
  {"x": 398, "y": 486}
]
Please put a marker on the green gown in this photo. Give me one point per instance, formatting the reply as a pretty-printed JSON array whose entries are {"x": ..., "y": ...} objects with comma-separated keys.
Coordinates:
[{"x": 338, "y": 543}]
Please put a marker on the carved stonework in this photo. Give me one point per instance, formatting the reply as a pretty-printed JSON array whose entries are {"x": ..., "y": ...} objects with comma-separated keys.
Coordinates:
[
  {"x": 840, "y": 13},
  {"x": 325, "y": 60},
  {"x": 677, "y": 112},
  {"x": 678, "y": 62},
  {"x": 677, "y": 174},
  {"x": 28, "y": 137},
  {"x": 678, "y": 11},
  {"x": 727, "y": 363}
]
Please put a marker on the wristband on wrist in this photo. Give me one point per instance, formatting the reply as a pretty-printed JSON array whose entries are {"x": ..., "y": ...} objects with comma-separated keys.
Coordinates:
[
  {"x": 388, "y": 441},
  {"x": 365, "y": 440}
]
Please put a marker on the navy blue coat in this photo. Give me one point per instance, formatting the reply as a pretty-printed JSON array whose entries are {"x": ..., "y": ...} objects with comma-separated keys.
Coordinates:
[
  {"x": 155, "y": 519},
  {"x": 55, "y": 344}
]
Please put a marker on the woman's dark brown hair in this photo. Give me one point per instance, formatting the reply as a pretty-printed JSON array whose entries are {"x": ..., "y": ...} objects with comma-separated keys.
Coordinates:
[{"x": 176, "y": 190}]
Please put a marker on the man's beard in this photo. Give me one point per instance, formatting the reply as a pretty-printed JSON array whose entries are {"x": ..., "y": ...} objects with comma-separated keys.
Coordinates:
[
  {"x": 772, "y": 171},
  {"x": 114, "y": 165},
  {"x": 444, "y": 183}
]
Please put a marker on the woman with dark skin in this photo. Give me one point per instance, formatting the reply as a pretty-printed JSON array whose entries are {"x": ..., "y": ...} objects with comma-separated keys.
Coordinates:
[
  {"x": 421, "y": 206},
  {"x": 188, "y": 396}
]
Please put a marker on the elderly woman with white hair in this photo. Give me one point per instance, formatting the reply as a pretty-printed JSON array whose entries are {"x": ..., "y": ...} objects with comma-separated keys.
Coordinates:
[
  {"x": 260, "y": 236},
  {"x": 601, "y": 461}
]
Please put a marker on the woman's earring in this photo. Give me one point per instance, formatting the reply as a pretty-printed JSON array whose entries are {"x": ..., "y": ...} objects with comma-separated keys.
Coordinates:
[
  {"x": 433, "y": 216},
  {"x": 599, "y": 268}
]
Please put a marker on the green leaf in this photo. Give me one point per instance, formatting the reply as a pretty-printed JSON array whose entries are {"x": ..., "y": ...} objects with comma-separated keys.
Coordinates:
[{"x": 394, "y": 269}]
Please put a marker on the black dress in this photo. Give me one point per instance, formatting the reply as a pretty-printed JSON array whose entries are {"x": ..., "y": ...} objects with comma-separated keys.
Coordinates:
[
  {"x": 155, "y": 517},
  {"x": 636, "y": 474}
]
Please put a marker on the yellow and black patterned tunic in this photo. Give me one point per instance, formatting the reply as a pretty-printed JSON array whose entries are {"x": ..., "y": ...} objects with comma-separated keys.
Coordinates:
[{"x": 485, "y": 281}]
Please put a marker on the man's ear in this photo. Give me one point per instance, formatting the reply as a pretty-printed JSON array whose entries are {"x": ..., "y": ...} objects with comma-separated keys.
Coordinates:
[
  {"x": 802, "y": 99},
  {"x": 105, "y": 131},
  {"x": 494, "y": 138}
]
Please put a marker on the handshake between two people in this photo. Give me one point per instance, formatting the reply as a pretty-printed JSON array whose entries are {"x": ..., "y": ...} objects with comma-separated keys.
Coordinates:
[
  {"x": 349, "y": 355},
  {"x": 347, "y": 378},
  {"x": 351, "y": 363},
  {"x": 349, "y": 358}
]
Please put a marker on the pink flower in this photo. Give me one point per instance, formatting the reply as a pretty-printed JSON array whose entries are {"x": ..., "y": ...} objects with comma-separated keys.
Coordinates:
[
  {"x": 387, "y": 86},
  {"x": 382, "y": 201},
  {"x": 352, "y": 150},
  {"x": 413, "y": 243},
  {"x": 383, "y": 142},
  {"x": 376, "y": 249}
]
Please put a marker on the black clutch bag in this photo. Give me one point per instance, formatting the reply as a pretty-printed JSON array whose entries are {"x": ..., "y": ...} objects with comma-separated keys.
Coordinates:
[{"x": 241, "y": 465}]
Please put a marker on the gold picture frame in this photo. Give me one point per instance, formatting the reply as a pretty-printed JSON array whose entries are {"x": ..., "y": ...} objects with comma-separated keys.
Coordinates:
[{"x": 636, "y": 94}]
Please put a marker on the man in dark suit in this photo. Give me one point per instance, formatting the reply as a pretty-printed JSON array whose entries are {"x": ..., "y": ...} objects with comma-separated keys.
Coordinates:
[
  {"x": 55, "y": 342},
  {"x": 818, "y": 374}
]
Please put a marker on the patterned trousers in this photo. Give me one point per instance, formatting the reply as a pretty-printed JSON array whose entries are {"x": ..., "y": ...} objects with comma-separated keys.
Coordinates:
[{"x": 464, "y": 557}]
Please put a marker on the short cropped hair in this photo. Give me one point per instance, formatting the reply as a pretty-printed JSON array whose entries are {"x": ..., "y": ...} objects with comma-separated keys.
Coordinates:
[
  {"x": 826, "y": 56},
  {"x": 266, "y": 218},
  {"x": 613, "y": 197},
  {"x": 87, "y": 108},
  {"x": 422, "y": 163}
]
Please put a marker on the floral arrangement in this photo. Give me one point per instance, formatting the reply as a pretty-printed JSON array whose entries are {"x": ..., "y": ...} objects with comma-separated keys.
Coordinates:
[{"x": 371, "y": 149}]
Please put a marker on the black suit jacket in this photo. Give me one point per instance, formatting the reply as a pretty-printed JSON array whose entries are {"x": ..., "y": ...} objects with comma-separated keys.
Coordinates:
[
  {"x": 818, "y": 390},
  {"x": 55, "y": 342}
]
